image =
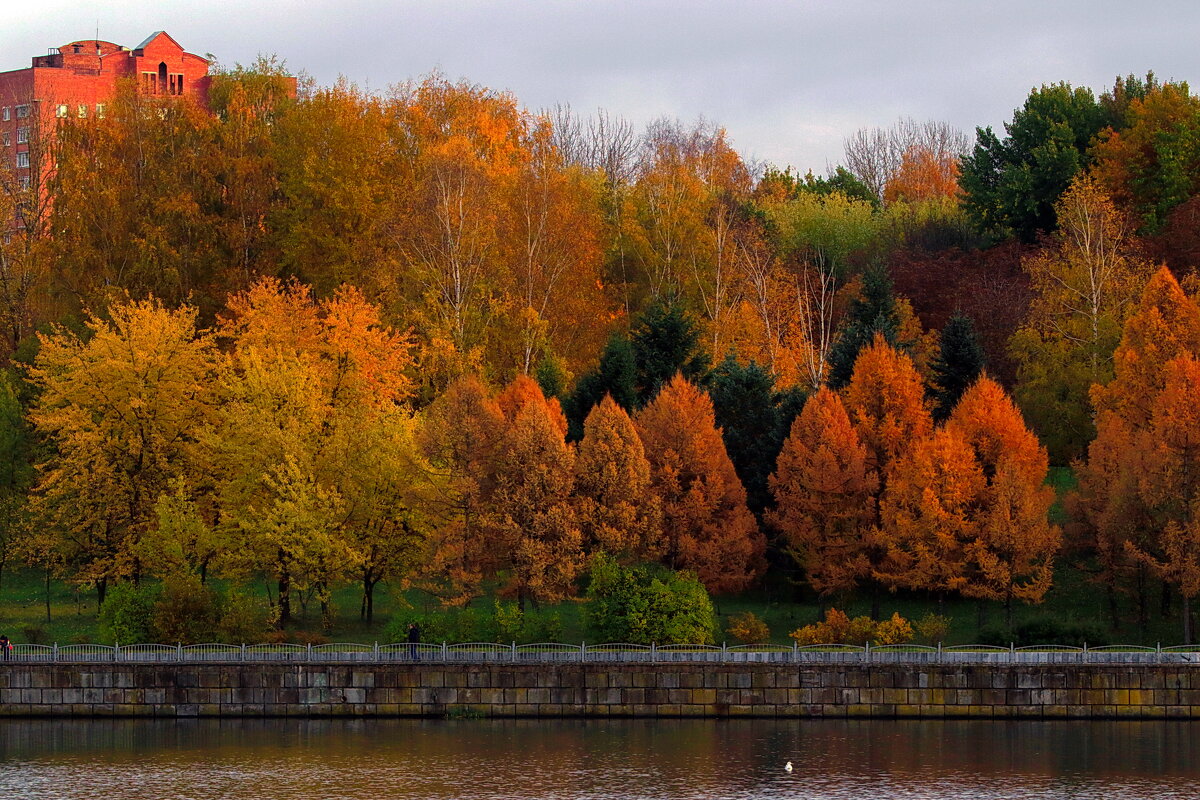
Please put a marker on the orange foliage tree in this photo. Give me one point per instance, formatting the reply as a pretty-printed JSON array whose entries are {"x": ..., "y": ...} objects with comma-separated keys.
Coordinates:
[
  {"x": 618, "y": 510},
  {"x": 540, "y": 543},
  {"x": 1108, "y": 506},
  {"x": 824, "y": 496},
  {"x": 707, "y": 527},
  {"x": 1170, "y": 482}
]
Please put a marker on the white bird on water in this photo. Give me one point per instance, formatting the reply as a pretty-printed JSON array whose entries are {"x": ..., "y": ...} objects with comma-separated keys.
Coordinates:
[{"x": 787, "y": 767}]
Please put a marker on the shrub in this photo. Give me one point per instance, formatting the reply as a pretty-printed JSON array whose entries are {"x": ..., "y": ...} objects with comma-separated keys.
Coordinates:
[
  {"x": 244, "y": 619},
  {"x": 507, "y": 623},
  {"x": 1045, "y": 630},
  {"x": 450, "y": 624},
  {"x": 127, "y": 615},
  {"x": 838, "y": 628},
  {"x": 896, "y": 630},
  {"x": 645, "y": 605},
  {"x": 747, "y": 628},
  {"x": 185, "y": 611},
  {"x": 932, "y": 628},
  {"x": 34, "y": 634}
]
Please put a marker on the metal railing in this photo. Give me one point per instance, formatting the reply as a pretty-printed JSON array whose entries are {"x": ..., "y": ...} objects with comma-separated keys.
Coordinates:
[{"x": 612, "y": 652}]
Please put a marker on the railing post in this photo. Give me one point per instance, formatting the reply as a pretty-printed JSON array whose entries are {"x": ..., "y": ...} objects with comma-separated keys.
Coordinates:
[
  {"x": 443, "y": 652},
  {"x": 939, "y": 652},
  {"x": 56, "y": 651},
  {"x": 377, "y": 651},
  {"x": 867, "y": 652},
  {"x": 242, "y": 655},
  {"x": 116, "y": 651},
  {"x": 795, "y": 652},
  {"x": 514, "y": 652},
  {"x": 583, "y": 651},
  {"x": 1158, "y": 653},
  {"x": 1012, "y": 652},
  {"x": 653, "y": 653},
  {"x": 309, "y": 655},
  {"x": 179, "y": 652}
]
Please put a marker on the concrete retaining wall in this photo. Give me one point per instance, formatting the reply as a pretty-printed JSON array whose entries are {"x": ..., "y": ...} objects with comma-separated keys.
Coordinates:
[{"x": 599, "y": 690}]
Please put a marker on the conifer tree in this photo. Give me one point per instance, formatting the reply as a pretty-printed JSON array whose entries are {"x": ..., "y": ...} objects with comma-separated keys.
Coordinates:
[
  {"x": 618, "y": 511},
  {"x": 871, "y": 314},
  {"x": 707, "y": 527},
  {"x": 824, "y": 496},
  {"x": 958, "y": 364}
]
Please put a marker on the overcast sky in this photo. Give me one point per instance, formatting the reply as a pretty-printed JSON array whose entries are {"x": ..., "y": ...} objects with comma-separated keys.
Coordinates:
[{"x": 788, "y": 80}]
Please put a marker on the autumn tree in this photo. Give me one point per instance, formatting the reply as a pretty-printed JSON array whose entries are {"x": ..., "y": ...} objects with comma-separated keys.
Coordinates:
[
  {"x": 617, "y": 509},
  {"x": 707, "y": 527},
  {"x": 1151, "y": 165},
  {"x": 1108, "y": 506},
  {"x": 885, "y": 400},
  {"x": 1012, "y": 552},
  {"x": 908, "y": 154},
  {"x": 537, "y": 536},
  {"x": 309, "y": 380},
  {"x": 123, "y": 406},
  {"x": 1085, "y": 287},
  {"x": 463, "y": 437},
  {"x": 822, "y": 237},
  {"x": 825, "y": 496},
  {"x": 1170, "y": 482},
  {"x": 149, "y": 227}
]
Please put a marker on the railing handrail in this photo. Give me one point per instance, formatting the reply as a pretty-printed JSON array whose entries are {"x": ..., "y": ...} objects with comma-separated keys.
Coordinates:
[{"x": 608, "y": 652}]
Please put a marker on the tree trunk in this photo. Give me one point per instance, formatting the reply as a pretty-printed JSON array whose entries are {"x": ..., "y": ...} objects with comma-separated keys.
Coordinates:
[
  {"x": 101, "y": 588},
  {"x": 47, "y": 594},
  {"x": 1187, "y": 620},
  {"x": 1164, "y": 603},
  {"x": 285, "y": 598}
]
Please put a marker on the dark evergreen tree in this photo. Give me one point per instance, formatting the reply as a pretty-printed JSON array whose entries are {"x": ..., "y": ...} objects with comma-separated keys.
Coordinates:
[
  {"x": 744, "y": 403},
  {"x": 666, "y": 340},
  {"x": 874, "y": 311},
  {"x": 1010, "y": 185},
  {"x": 615, "y": 375},
  {"x": 959, "y": 363}
]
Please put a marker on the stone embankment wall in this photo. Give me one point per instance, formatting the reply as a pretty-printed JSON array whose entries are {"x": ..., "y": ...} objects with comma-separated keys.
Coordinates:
[{"x": 599, "y": 690}]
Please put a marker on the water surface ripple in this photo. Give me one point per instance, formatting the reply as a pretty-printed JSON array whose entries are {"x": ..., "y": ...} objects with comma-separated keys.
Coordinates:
[{"x": 580, "y": 760}]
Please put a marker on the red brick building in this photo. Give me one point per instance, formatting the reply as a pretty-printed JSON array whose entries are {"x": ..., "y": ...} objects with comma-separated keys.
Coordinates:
[{"x": 77, "y": 80}]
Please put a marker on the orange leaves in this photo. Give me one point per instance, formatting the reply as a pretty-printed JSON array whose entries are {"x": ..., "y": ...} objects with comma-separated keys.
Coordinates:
[
  {"x": 824, "y": 495},
  {"x": 343, "y": 338},
  {"x": 618, "y": 510},
  {"x": 707, "y": 527},
  {"x": 886, "y": 402},
  {"x": 924, "y": 174}
]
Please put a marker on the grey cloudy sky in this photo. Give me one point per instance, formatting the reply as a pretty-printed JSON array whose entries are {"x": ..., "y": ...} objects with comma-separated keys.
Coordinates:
[{"x": 788, "y": 80}]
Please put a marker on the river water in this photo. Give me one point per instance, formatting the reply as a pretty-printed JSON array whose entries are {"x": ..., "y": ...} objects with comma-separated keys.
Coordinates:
[{"x": 577, "y": 759}]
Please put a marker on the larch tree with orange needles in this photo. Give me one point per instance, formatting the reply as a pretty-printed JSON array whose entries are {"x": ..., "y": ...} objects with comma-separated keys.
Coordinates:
[
  {"x": 824, "y": 496},
  {"x": 887, "y": 406},
  {"x": 707, "y": 527},
  {"x": 1011, "y": 552},
  {"x": 1108, "y": 505},
  {"x": 534, "y": 517},
  {"x": 1170, "y": 483},
  {"x": 618, "y": 510}
]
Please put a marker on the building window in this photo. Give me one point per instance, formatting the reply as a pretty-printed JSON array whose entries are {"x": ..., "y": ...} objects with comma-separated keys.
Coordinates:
[
  {"x": 175, "y": 83},
  {"x": 23, "y": 182},
  {"x": 22, "y": 112},
  {"x": 82, "y": 111},
  {"x": 61, "y": 111},
  {"x": 22, "y": 135},
  {"x": 7, "y": 139},
  {"x": 7, "y": 113},
  {"x": 150, "y": 82},
  {"x": 100, "y": 110},
  {"x": 22, "y": 160}
]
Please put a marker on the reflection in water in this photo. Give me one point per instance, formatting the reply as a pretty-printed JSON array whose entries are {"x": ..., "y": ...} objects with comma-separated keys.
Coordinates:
[{"x": 573, "y": 760}]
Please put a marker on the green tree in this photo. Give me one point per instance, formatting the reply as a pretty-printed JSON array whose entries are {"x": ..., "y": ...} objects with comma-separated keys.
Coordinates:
[
  {"x": 646, "y": 605},
  {"x": 747, "y": 411},
  {"x": 1010, "y": 185},
  {"x": 666, "y": 341},
  {"x": 615, "y": 377},
  {"x": 959, "y": 363},
  {"x": 870, "y": 314}
]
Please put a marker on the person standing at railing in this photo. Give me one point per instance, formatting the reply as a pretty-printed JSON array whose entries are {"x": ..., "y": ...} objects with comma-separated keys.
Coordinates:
[
  {"x": 6, "y": 646},
  {"x": 414, "y": 638}
]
